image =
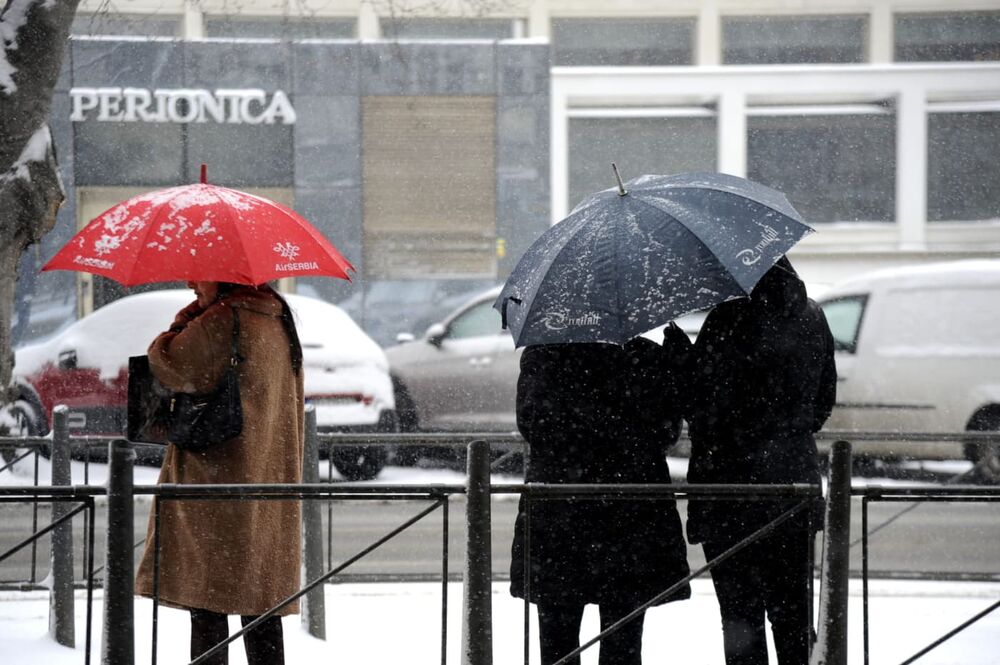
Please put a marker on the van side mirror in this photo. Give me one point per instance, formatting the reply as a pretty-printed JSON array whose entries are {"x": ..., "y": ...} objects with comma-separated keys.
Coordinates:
[
  {"x": 435, "y": 334},
  {"x": 404, "y": 337},
  {"x": 67, "y": 359}
]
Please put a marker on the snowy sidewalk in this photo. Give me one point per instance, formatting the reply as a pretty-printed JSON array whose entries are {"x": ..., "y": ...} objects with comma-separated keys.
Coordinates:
[{"x": 400, "y": 623}]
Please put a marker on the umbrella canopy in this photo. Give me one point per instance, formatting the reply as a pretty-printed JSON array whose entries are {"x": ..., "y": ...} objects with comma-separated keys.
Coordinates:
[
  {"x": 637, "y": 256},
  {"x": 200, "y": 232}
]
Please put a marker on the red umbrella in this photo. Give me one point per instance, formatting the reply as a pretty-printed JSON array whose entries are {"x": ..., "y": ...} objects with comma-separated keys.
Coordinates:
[{"x": 200, "y": 233}]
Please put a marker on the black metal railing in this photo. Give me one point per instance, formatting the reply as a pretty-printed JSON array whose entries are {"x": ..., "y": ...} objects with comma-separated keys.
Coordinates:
[
  {"x": 477, "y": 639},
  {"x": 915, "y": 496}
]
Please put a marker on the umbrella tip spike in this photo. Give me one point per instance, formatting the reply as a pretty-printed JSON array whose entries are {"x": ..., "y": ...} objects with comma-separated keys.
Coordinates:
[
  {"x": 621, "y": 186},
  {"x": 204, "y": 174}
]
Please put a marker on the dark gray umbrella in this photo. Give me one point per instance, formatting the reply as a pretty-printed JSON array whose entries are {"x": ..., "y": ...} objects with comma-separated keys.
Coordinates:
[{"x": 637, "y": 256}]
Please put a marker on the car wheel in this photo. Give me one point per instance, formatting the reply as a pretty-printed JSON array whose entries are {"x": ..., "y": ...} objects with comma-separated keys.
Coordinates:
[
  {"x": 406, "y": 413},
  {"x": 21, "y": 419},
  {"x": 863, "y": 466},
  {"x": 364, "y": 462},
  {"x": 406, "y": 410},
  {"x": 359, "y": 462},
  {"x": 985, "y": 456}
]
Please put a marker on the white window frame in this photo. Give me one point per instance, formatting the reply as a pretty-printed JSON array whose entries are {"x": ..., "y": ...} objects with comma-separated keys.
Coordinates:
[{"x": 912, "y": 91}]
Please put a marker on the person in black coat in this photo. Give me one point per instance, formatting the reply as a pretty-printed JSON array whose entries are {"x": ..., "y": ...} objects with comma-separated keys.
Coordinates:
[
  {"x": 763, "y": 380},
  {"x": 598, "y": 413}
]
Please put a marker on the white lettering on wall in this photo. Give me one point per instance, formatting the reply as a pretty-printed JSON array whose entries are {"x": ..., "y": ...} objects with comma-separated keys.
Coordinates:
[{"x": 250, "y": 106}]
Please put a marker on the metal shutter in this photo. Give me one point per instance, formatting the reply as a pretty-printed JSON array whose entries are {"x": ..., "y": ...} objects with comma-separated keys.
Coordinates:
[{"x": 429, "y": 187}]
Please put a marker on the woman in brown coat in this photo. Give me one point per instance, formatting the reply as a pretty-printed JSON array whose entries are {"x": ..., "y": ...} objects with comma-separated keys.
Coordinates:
[{"x": 221, "y": 557}]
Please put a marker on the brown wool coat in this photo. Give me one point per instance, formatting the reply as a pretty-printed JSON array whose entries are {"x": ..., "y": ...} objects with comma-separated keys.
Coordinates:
[{"x": 231, "y": 557}]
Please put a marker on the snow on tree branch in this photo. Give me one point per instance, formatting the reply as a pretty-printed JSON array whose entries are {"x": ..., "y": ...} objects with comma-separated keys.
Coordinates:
[
  {"x": 35, "y": 150},
  {"x": 14, "y": 17}
]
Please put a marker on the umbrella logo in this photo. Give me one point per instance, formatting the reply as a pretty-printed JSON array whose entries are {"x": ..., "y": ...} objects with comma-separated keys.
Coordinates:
[
  {"x": 562, "y": 321},
  {"x": 748, "y": 257},
  {"x": 93, "y": 263},
  {"x": 287, "y": 250}
]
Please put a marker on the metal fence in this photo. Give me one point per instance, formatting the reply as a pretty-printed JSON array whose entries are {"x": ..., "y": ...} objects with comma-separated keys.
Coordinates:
[
  {"x": 914, "y": 496},
  {"x": 477, "y": 615}
]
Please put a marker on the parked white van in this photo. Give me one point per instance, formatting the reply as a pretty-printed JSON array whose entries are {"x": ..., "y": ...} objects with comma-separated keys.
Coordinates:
[{"x": 918, "y": 351}]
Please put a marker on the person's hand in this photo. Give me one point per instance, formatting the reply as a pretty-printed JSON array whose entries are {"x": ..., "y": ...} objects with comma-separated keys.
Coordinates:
[
  {"x": 186, "y": 316},
  {"x": 673, "y": 336}
]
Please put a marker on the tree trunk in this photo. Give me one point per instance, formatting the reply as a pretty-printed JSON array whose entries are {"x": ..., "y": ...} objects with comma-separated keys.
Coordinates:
[{"x": 34, "y": 35}]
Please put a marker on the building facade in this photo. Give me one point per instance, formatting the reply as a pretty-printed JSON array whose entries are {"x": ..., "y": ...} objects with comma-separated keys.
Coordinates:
[
  {"x": 879, "y": 118},
  {"x": 426, "y": 164}
]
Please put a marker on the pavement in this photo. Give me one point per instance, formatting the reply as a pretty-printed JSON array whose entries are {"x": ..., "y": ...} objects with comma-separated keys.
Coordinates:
[{"x": 401, "y": 623}]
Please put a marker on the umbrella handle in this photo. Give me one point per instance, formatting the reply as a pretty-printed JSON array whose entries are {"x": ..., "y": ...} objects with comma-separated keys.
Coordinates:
[
  {"x": 621, "y": 186},
  {"x": 204, "y": 174}
]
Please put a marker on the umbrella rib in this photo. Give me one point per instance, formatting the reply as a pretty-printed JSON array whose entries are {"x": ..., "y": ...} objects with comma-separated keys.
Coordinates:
[
  {"x": 618, "y": 242},
  {"x": 530, "y": 297},
  {"x": 238, "y": 227},
  {"x": 749, "y": 198},
  {"x": 142, "y": 244},
  {"x": 158, "y": 210},
  {"x": 693, "y": 233}
]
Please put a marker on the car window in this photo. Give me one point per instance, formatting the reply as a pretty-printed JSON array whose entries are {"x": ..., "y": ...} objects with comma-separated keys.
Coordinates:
[
  {"x": 844, "y": 318},
  {"x": 476, "y": 321}
]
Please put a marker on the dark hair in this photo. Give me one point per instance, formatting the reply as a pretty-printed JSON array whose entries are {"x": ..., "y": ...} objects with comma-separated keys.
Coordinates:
[{"x": 287, "y": 319}]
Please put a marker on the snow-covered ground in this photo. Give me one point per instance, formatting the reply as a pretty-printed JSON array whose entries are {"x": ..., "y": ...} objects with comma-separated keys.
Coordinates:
[
  {"x": 393, "y": 623},
  {"x": 400, "y": 623}
]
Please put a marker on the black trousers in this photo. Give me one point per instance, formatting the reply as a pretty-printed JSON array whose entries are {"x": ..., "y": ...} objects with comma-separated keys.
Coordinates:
[
  {"x": 770, "y": 577},
  {"x": 264, "y": 644},
  {"x": 559, "y": 634}
]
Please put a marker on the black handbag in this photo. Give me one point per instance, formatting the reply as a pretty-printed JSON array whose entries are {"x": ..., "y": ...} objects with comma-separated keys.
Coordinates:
[{"x": 196, "y": 421}]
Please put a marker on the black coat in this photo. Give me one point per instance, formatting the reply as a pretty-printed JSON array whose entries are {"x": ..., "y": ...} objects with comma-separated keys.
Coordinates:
[
  {"x": 599, "y": 413},
  {"x": 763, "y": 380}
]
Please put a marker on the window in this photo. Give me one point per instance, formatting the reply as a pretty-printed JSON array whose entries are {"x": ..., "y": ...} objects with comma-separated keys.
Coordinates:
[
  {"x": 963, "y": 172},
  {"x": 833, "y": 166},
  {"x": 241, "y": 155},
  {"x": 165, "y": 154},
  {"x": 444, "y": 28},
  {"x": 429, "y": 173},
  {"x": 844, "y": 315},
  {"x": 476, "y": 321},
  {"x": 769, "y": 40},
  {"x": 128, "y": 153},
  {"x": 638, "y": 145},
  {"x": 116, "y": 24},
  {"x": 612, "y": 42},
  {"x": 947, "y": 37},
  {"x": 280, "y": 27}
]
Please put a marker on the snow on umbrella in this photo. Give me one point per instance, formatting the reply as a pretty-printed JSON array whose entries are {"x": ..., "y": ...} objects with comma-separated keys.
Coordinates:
[
  {"x": 200, "y": 232},
  {"x": 636, "y": 256}
]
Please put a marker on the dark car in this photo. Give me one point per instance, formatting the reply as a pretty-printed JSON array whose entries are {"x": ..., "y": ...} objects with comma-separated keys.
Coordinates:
[{"x": 461, "y": 374}]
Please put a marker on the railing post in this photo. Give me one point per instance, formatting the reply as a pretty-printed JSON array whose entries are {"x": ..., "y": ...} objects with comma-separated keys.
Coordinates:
[
  {"x": 477, "y": 636},
  {"x": 831, "y": 647},
  {"x": 61, "y": 609},
  {"x": 119, "y": 585},
  {"x": 314, "y": 602}
]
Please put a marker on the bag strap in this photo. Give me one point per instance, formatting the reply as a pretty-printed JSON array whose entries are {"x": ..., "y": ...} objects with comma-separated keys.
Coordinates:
[{"x": 234, "y": 354}]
